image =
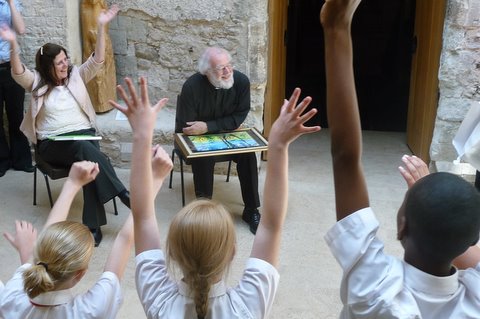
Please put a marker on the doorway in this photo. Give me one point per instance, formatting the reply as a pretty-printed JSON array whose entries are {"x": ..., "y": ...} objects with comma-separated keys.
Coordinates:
[{"x": 382, "y": 33}]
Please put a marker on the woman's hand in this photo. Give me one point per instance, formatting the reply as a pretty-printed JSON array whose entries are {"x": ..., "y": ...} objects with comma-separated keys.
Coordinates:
[
  {"x": 7, "y": 34},
  {"x": 107, "y": 15}
]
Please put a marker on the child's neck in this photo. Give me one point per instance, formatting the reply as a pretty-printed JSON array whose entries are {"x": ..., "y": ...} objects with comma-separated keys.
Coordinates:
[{"x": 439, "y": 269}]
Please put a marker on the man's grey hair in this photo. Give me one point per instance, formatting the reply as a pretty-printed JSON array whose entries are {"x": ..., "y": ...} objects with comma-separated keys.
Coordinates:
[{"x": 204, "y": 63}]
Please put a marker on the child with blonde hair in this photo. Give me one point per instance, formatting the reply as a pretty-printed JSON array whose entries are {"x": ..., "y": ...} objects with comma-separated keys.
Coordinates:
[
  {"x": 61, "y": 256},
  {"x": 201, "y": 238}
]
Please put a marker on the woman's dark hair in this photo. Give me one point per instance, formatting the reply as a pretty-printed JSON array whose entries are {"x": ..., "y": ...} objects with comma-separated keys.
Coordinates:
[{"x": 45, "y": 66}]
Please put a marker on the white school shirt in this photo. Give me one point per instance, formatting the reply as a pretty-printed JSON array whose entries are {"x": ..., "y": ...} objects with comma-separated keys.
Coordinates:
[
  {"x": 103, "y": 300},
  {"x": 164, "y": 298},
  {"x": 376, "y": 285}
]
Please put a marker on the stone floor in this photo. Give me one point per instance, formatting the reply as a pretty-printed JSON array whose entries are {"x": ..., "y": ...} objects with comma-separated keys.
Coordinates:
[{"x": 310, "y": 276}]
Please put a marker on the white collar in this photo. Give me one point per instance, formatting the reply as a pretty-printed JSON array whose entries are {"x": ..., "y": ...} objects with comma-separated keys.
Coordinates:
[
  {"x": 54, "y": 298},
  {"x": 430, "y": 284}
]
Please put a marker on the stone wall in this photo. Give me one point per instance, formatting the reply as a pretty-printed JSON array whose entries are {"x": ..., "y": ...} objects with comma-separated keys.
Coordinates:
[
  {"x": 459, "y": 74},
  {"x": 162, "y": 39}
]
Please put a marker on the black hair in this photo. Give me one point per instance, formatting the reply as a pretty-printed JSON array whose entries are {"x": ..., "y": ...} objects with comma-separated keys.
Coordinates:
[
  {"x": 45, "y": 66},
  {"x": 442, "y": 213}
]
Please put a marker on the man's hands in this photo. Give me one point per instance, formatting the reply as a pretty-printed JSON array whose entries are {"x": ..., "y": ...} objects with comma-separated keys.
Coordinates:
[
  {"x": 289, "y": 124},
  {"x": 338, "y": 13},
  {"x": 23, "y": 240},
  {"x": 195, "y": 128},
  {"x": 107, "y": 15},
  {"x": 414, "y": 169}
]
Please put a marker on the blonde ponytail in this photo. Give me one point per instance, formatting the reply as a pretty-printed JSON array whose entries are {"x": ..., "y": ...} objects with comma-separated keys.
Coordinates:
[
  {"x": 201, "y": 241},
  {"x": 62, "y": 250},
  {"x": 36, "y": 280},
  {"x": 201, "y": 288}
]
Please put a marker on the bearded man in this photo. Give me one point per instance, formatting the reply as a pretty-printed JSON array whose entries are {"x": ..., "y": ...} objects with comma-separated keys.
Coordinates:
[{"x": 217, "y": 99}]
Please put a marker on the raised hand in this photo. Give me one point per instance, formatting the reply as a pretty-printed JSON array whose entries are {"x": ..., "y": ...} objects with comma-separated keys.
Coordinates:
[
  {"x": 7, "y": 34},
  {"x": 161, "y": 162},
  {"x": 23, "y": 240},
  {"x": 141, "y": 115},
  {"x": 336, "y": 13},
  {"x": 107, "y": 15},
  {"x": 161, "y": 166},
  {"x": 82, "y": 173},
  {"x": 289, "y": 124},
  {"x": 415, "y": 168}
]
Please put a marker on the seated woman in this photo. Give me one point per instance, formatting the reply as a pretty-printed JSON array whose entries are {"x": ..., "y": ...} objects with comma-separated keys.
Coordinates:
[{"x": 60, "y": 105}]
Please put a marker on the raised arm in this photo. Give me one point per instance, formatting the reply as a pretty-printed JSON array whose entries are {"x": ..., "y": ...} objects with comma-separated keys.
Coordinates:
[
  {"x": 81, "y": 173},
  {"x": 285, "y": 130},
  {"x": 469, "y": 259},
  {"x": 142, "y": 118},
  {"x": 161, "y": 167},
  {"x": 118, "y": 257},
  {"x": 18, "y": 23},
  {"x": 103, "y": 19},
  {"x": 415, "y": 168},
  {"x": 23, "y": 240},
  {"x": 342, "y": 108},
  {"x": 9, "y": 35}
]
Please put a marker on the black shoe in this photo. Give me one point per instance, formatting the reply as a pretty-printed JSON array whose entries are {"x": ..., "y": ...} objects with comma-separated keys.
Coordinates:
[
  {"x": 125, "y": 198},
  {"x": 252, "y": 217},
  {"x": 26, "y": 169},
  {"x": 97, "y": 235}
]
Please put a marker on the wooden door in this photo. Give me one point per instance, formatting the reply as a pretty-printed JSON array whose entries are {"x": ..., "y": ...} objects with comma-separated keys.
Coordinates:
[
  {"x": 275, "y": 91},
  {"x": 382, "y": 33},
  {"x": 423, "y": 102},
  {"x": 423, "y": 96}
]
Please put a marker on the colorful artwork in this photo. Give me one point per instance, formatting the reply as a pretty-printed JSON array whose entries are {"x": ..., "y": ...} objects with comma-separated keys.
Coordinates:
[
  {"x": 222, "y": 141},
  {"x": 234, "y": 142}
]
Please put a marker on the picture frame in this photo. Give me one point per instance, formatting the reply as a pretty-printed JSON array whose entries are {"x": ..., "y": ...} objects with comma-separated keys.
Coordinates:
[{"x": 239, "y": 141}]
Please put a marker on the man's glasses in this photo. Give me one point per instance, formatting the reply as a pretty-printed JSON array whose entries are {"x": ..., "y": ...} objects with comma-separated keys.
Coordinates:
[{"x": 224, "y": 67}]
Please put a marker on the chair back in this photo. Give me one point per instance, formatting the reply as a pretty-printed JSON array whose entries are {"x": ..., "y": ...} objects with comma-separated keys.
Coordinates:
[{"x": 53, "y": 171}]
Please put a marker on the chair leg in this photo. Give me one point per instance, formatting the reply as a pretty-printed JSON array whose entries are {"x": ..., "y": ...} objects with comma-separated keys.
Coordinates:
[
  {"x": 228, "y": 171},
  {"x": 183, "y": 185},
  {"x": 35, "y": 185},
  {"x": 48, "y": 190},
  {"x": 171, "y": 172},
  {"x": 115, "y": 206}
]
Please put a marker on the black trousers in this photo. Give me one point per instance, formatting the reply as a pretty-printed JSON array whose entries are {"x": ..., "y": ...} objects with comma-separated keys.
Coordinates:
[
  {"x": 98, "y": 192},
  {"x": 203, "y": 169},
  {"x": 16, "y": 153}
]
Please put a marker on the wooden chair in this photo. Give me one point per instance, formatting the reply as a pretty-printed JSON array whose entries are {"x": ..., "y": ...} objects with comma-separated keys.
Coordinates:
[
  {"x": 53, "y": 172},
  {"x": 185, "y": 160}
]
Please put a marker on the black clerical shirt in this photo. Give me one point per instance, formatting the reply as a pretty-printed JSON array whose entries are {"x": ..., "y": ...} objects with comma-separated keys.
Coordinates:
[{"x": 221, "y": 109}]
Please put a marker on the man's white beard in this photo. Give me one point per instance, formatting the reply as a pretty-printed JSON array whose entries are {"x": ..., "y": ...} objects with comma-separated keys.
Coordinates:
[{"x": 221, "y": 84}]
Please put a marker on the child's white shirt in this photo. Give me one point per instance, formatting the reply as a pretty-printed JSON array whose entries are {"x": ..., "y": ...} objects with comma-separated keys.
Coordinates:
[
  {"x": 103, "y": 300},
  {"x": 164, "y": 298},
  {"x": 376, "y": 285}
]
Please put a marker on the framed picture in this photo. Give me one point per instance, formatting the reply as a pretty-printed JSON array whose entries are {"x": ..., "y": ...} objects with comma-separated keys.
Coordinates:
[{"x": 239, "y": 141}]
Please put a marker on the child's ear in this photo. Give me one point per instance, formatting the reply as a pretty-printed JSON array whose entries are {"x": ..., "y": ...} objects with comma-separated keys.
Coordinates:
[{"x": 79, "y": 275}]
